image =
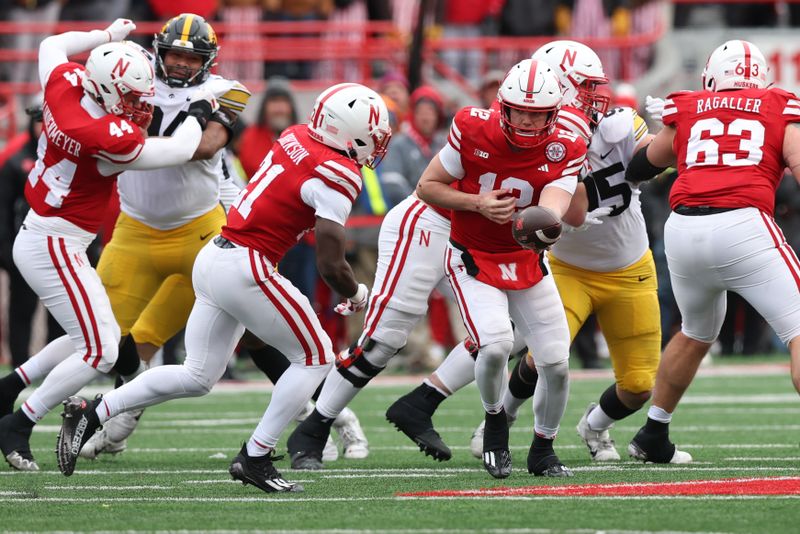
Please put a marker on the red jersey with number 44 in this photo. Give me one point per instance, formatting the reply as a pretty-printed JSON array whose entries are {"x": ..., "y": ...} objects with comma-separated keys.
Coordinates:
[
  {"x": 65, "y": 181},
  {"x": 273, "y": 212},
  {"x": 489, "y": 162},
  {"x": 729, "y": 146}
]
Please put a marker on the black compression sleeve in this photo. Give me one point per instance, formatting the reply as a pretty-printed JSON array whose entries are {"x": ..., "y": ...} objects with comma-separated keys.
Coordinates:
[{"x": 640, "y": 169}]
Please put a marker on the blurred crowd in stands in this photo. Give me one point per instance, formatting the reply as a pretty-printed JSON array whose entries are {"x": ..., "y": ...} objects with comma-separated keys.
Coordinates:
[{"x": 420, "y": 120}]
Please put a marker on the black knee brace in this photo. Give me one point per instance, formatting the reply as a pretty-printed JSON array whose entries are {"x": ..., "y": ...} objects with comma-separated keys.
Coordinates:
[
  {"x": 128, "y": 358},
  {"x": 355, "y": 359}
]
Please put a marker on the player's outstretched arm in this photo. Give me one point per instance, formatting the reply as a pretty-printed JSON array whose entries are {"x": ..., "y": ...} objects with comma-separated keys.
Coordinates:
[
  {"x": 57, "y": 48},
  {"x": 434, "y": 188},
  {"x": 333, "y": 267},
  {"x": 575, "y": 215},
  {"x": 653, "y": 159},
  {"x": 791, "y": 149},
  {"x": 557, "y": 199}
]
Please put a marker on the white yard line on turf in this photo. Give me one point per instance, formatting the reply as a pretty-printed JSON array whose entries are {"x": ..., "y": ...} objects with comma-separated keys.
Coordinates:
[{"x": 391, "y": 531}]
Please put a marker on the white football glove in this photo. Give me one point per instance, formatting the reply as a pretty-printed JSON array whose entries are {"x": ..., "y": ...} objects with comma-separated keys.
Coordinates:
[
  {"x": 654, "y": 107},
  {"x": 593, "y": 218},
  {"x": 204, "y": 94},
  {"x": 354, "y": 304},
  {"x": 120, "y": 29}
]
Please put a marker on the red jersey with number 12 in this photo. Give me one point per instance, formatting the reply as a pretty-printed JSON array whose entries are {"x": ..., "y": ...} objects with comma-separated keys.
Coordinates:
[
  {"x": 490, "y": 163},
  {"x": 270, "y": 215},
  {"x": 65, "y": 181},
  {"x": 729, "y": 146}
]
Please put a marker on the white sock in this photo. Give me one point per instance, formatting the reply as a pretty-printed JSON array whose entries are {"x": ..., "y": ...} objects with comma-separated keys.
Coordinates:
[
  {"x": 659, "y": 414},
  {"x": 430, "y": 384},
  {"x": 290, "y": 395},
  {"x": 491, "y": 374},
  {"x": 44, "y": 361},
  {"x": 154, "y": 386},
  {"x": 599, "y": 420},
  {"x": 457, "y": 370},
  {"x": 337, "y": 392},
  {"x": 550, "y": 398},
  {"x": 65, "y": 380}
]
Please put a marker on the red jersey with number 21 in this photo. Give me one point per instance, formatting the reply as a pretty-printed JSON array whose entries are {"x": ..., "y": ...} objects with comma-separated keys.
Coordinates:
[
  {"x": 729, "y": 146},
  {"x": 65, "y": 181},
  {"x": 269, "y": 215},
  {"x": 490, "y": 163}
]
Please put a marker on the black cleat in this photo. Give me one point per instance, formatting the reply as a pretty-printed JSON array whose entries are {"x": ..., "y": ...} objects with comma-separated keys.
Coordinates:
[
  {"x": 496, "y": 454},
  {"x": 307, "y": 442},
  {"x": 79, "y": 424},
  {"x": 543, "y": 461},
  {"x": 657, "y": 448},
  {"x": 15, "y": 444},
  {"x": 418, "y": 426},
  {"x": 261, "y": 473}
]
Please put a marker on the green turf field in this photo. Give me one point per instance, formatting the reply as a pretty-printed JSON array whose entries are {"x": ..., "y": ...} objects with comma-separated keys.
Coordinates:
[{"x": 174, "y": 475}]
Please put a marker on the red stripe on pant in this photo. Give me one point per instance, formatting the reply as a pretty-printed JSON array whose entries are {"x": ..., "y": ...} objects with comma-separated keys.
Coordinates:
[
  {"x": 281, "y": 309},
  {"x": 87, "y": 304},
  {"x": 86, "y": 339},
  {"x": 398, "y": 244},
  {"x": 405, "y": 240},
  {"x": 301, "y": 313},
  {"x": 24, "y": 375},
  {"x": 781, "y": 244},
  {"x": 462, "y": 303}
]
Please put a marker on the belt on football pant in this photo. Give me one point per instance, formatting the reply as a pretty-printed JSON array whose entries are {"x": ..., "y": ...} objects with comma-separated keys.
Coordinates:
[
  {"x": 700, "y": 210},
  {"x": 221, "y": 242}
]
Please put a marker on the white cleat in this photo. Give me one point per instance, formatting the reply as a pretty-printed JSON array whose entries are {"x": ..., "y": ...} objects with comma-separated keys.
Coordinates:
[
  {"x": 330, "y": 453},
  {"x": 681, "y": 457},
  {"x": 354, "y": 442},
  {"x": 599, "y": 443},
  {"x": 112, "y": 438}
]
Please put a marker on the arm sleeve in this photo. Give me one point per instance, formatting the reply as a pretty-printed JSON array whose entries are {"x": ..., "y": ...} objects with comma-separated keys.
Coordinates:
[
  {"x": 158, "y": 152},
  {"x": 451, "y": 161},
  {"x": 327, "y": 203},
  {"x": 56, "y": 49},
  {"x": 228, "y": 191}
]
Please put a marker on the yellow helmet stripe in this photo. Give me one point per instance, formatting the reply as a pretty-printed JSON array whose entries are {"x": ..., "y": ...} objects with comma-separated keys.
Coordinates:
[{"x": 187, "y": 27}]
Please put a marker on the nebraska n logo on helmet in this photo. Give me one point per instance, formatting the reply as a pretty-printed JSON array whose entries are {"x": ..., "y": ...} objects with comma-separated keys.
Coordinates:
[
  {"x": 353, "y": 119},
  {"x": 529, "y": 87},
  {"x": 188, "y": 33},
  {"x": 580, "y": 72},
  {"x": 735, "y": 65},
  {"x": 115, "y": 70}
]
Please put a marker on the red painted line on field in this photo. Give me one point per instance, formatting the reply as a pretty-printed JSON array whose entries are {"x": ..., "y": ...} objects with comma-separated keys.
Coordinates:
[{"x": 728, "y": 486}]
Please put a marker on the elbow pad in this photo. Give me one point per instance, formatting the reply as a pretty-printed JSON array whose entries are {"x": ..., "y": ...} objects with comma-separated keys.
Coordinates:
[{"x": 640, "y": 169}]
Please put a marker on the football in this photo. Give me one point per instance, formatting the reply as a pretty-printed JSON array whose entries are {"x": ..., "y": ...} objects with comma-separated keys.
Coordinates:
[{"x": 536, "y": 227}]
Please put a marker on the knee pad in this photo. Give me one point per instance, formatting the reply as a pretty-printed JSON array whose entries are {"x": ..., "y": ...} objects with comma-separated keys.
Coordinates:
[
  {"x": 638, "y": 381},
  {"x": 496, "y": 351},
  {"x": 549, "y": 354},
  {"x": 358, "y": 358},
  {"x": 128, "y": 358}
]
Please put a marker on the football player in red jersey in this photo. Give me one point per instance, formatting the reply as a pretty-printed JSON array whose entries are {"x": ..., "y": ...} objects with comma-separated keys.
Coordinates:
[
  {"x": 730, "y": 143},
  {"x": 307, "y": 182},
  {"x": 504, "y": 161},
  {"x": 93, "y": 130}
]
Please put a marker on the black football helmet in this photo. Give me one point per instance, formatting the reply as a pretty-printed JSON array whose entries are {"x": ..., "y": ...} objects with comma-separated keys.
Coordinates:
[{"x": 187, "y": 33}]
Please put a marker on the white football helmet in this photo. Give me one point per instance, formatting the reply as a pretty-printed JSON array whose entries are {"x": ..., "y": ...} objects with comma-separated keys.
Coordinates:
[
  {"x": 354, "y": 119},
  {"x": 530, "y": 86},
  {"x": 114, "y": 70},
  {"x": 580, "y": 71},
  {"x": 735, "y": 65}
]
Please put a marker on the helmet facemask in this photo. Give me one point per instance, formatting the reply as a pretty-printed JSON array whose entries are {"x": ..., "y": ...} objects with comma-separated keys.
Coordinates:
[{"x": 589, "y": 100}]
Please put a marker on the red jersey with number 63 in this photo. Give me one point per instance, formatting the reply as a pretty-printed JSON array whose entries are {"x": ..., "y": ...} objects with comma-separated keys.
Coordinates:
[
  {"x": 65, "y": 181},
  {"x": 485, "y": 161},
  {"x": 729, "y": 146},
  {"x": 277, "y": 207}
]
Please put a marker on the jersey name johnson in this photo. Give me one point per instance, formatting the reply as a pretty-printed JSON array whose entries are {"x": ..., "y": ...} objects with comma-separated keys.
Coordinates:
[
  {"x": 65, "y": 181},
  {"x": 490, "y": 163},
  {"x": 270, "y": 214},
  {"x": 729, "y": 146}
]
